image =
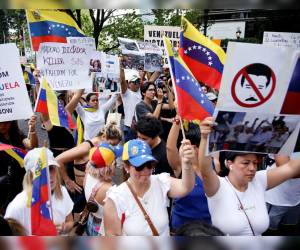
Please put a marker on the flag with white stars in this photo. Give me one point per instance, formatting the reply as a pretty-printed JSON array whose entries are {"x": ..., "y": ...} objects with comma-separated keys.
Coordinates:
[
  {"x": 193, "y": 104},
  {"x": 203, "y": 57},
  {"x": 51, "y": 26},
  {"x": 41, "y": 222}
]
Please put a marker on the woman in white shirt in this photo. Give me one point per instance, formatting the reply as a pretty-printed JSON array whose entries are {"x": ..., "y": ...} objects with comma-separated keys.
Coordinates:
[
  {"x": 98, "y": 180},
  {"x": 61, "y": 202},
  {"x": 92, "y": 115},
  {"x": 236, "y": 202},
  {"x": 122, "y": 214}
]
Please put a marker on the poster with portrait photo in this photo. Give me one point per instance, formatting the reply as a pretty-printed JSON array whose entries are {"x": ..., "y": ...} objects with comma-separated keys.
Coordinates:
[
  {"x": 251, "y": 132},
  {"x": 106, "y": 83},
  {"x": 96, "y": 62}
]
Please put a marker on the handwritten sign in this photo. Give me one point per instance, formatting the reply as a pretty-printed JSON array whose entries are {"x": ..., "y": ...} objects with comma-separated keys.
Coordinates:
[
  {"x": 14, "y": 100},
  {"x": 282, "y": 39},
  {"x": 65, "y": 66},
  {"x": 86, "y": 41}
]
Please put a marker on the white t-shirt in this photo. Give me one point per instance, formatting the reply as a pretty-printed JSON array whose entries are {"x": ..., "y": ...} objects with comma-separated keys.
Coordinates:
[
  {"x": 90, "y": 183},
  {"x": 130, "y": 100},
  {"x": 155, "y": 201},
  {"x": 285, "y": 194},
  {"x": 18, "y": 210},
  {"x": 94, "y": 121},
  {"x": 226, "y": 213}
]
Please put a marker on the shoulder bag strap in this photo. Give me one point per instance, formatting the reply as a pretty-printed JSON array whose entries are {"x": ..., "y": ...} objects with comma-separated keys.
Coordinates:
[
  {"x": 147, "y": 218},
  {"x": 241, "y": 206}
]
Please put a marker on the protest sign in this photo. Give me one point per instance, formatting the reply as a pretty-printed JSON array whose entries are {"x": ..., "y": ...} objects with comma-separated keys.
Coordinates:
[
  {"x": 14, "y": 100},
  {"x": 133, "y": 58},
  {"x": 106, "y": 78},
  {"x": 282, "y": 39},
  {"x": 253, "y": 132},
  {"x": 86, "y": 41},
  {"x": 65, "y": 66},
  {"x": 255, "y": 78},
  {"x": 141, "y": 55},
  {"x": 106, "y": 84},
  {"x": 154, "y": 34}
]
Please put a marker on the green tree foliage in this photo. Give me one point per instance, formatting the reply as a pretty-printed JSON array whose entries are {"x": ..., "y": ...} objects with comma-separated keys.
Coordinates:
[{"x": 129, "y": 25}]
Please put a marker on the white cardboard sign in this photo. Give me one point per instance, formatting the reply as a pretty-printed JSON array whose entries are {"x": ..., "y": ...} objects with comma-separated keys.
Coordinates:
[
  {"x": 65, "y": 66},
  {"x": 255, "y": 78},
  {"x": 14, "y": 100}
]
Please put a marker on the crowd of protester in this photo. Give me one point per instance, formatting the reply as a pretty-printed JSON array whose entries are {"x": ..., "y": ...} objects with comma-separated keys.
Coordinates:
[{"x": 169, "y": 185}]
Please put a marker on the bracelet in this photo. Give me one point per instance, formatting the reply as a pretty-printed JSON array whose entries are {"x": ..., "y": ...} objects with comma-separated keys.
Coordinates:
[
  {"x": 159, "y": 103},
  {"x": 177, "y": 121}
]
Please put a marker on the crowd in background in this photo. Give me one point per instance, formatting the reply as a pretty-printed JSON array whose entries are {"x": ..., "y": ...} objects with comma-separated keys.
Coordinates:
[{"x": 168, "y": 185}]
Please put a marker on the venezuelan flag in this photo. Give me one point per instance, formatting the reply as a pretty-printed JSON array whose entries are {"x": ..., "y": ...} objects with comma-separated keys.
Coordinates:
[
  {"x": 41, "y": 222},
  {"x": 193, "y": 104},
  {"x": 51, "y": 26},
  {"x": 203, "y": 57},
  {"x": 17, "y": 153},
  {"x": 78, "y": 137},
  {"x": 47, "y": 103}
]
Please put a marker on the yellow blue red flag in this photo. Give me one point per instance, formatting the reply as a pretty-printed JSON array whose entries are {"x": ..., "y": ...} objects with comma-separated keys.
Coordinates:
[
  {"x": 51, "y": 26},
  {"x": 203, "y": 57},
  {"x": 48, "y": 103},
  {"x": 41, "y": 222},
  {"x": 193, "y": 104}
]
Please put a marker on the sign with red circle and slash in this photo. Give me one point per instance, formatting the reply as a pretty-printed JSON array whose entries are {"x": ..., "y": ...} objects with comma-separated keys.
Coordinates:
[{"x": 253, "y": 85}]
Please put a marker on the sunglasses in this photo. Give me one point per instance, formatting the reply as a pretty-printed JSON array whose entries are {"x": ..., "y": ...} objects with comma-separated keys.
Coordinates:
[
  {"x": 136, "y": 82},
  {"x": 145, "y": 165}
]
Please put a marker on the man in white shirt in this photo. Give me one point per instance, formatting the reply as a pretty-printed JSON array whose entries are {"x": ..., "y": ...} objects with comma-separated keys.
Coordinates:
[{"x": 131, "y": 95}]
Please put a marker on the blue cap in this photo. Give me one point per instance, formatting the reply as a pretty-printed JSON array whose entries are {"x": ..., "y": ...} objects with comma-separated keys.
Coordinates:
[
  {"x": 137, "y": 152},
  {"x": 116, "y": 149}
]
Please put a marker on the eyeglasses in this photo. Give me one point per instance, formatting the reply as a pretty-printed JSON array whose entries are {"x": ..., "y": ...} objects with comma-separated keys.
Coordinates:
[{"x": 145, "y": 165}]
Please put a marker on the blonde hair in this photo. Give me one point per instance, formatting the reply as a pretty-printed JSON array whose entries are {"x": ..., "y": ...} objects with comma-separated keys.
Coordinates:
[
  {"x": 104, "y": 173},
  {"x": 112, "y": 131},
  {"x": 27, "y": 184}
]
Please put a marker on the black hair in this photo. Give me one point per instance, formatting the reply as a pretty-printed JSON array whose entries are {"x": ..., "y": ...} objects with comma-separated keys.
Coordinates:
[
  {"x": 149, "y": 126},
  {"x": 231, "y": 155},
  {"x": 145, "y": 87},
  {"x": 258, "y": 69},
  {"x": 193, "y": 134},
  {"x": 89, "y": 95},
  {"x": 15, "y": 135},
  {"x": 198, "y": 228},
  {"x": 5, "y": 229}
]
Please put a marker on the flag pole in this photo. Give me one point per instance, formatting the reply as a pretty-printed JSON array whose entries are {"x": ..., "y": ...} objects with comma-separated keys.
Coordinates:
[{"x": 174, "y": 86}]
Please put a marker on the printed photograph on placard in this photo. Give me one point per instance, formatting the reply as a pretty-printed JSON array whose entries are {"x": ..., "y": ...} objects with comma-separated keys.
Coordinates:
[
  {"x": 251, "y": 132},
  {"x": 95, "y": 63},
  {"x": 133, "y": 61},
  {"x": 153, "y": 62},
  {"x": 128, "y": 45},
  {"x": 106, "y": 83}
]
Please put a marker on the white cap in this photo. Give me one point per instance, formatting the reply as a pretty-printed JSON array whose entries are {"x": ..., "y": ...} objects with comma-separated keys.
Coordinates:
[
  {"x": 32, "y": 156},
  {"x": 131, "y": 75}
]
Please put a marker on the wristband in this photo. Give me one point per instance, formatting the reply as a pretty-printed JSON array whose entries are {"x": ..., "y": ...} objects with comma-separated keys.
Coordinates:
[{"x": 176, "y": 120}]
